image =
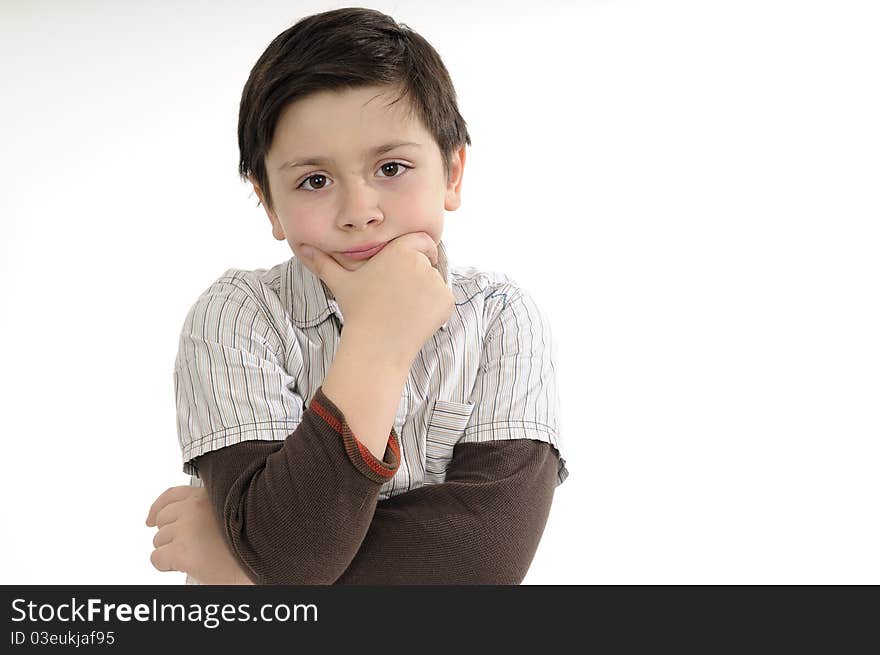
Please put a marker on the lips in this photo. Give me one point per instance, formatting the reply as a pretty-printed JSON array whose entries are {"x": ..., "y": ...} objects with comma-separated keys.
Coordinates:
[
  {"x": 364, "y": 248},
  {"x": 364, "y": 252}
]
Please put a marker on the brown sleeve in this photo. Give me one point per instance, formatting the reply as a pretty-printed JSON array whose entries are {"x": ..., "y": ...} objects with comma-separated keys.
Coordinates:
[
  {"x": 295, "y": 512},
  {"x": 481, "y": 526}
]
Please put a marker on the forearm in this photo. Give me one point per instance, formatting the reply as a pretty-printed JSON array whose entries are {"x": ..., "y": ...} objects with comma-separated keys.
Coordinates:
[
  {"x": 481, "y": 526},
  {"x": 366, "y": 383},
  {"x": 318, "y": 505},
  {"x": 295, "y": 512}
]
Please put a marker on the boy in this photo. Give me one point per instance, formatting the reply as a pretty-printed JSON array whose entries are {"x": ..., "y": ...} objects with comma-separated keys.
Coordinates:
[{"x": 381, "y": 417}]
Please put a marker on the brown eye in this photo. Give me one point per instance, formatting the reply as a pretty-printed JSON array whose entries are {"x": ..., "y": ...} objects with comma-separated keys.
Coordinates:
[
  {"x": 393, "y": 168},
  {"x": 322, "y": 180}
]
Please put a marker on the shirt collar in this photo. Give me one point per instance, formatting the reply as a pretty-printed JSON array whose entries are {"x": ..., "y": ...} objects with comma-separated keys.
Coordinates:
[{"x": 311, "y": 301}]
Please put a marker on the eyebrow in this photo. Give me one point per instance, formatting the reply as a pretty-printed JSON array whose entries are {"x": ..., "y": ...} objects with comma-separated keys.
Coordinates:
[{"x": 320, "y": 161}]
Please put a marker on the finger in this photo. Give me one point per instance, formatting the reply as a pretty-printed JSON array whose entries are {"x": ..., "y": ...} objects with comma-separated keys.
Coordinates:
[
  {"x": 165, "y": 558},
  {"x": 165, "y": 535},
  {"x": 167, "y": 496},
  {"x": 424, "y": 243},
  {"x": 322, "y": 265},
  {"x": 170, "y": 495},
  {"x": 170, "y": 513}
]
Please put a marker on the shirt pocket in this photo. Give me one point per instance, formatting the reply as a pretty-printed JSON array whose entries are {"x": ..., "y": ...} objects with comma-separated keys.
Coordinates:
[{"x": 447, "y": 422}]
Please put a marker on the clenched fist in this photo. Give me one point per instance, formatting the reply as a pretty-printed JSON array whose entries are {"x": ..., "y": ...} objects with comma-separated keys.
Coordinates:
[{"x": 398, "y": 299}]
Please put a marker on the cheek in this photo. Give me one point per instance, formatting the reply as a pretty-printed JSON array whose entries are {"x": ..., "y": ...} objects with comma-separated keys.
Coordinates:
[
  {"x": 302, "y": 226},
  {"x": 421, "y": 206}
]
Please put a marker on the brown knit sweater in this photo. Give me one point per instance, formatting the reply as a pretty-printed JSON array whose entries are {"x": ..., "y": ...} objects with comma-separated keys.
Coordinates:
[{"x": 306, "y": 510}]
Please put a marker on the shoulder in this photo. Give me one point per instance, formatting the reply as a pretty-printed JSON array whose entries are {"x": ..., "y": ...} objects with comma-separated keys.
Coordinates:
[
  {"x": 241, "y": 296},
  {"x": 498, "y": 293},
  {"x": 246, "y": 285},
  {"x": 493, "y": 289}
]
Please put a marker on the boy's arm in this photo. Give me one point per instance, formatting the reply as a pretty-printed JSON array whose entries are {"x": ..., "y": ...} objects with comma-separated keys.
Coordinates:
[
  {"x": 321, "y": 465},
  {"x": 316, "y": 492},
  {"x": 481, "y": 526}
]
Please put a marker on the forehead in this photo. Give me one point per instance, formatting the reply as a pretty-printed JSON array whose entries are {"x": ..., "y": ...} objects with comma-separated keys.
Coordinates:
[{"x": 341, "y": 120}]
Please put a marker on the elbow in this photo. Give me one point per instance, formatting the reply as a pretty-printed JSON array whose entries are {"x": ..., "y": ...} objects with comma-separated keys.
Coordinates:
[
  {"x": 285, "y": 538},
  {"x": 289, "y": 554}
]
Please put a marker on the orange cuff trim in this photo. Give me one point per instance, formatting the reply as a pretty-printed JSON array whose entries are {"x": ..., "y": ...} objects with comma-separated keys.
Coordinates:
[
  {"x": 331, "y": 420},
  {"x": 379, "y": 468},
  {"x": 375, "y": 464}
]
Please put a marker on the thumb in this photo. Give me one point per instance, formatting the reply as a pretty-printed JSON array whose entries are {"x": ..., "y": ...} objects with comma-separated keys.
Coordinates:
[{"x": 322, "y": 265}]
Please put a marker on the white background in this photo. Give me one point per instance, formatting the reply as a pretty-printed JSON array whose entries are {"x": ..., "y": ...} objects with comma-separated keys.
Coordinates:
[{"x": 688, "y": 189}]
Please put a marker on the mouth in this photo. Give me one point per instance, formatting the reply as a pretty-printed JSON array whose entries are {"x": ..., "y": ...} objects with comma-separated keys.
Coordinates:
[{"x": 365, "y": 253}]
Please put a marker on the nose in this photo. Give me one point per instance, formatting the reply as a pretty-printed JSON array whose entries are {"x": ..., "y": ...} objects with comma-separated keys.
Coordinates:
[{"x": 360, "y": 206}]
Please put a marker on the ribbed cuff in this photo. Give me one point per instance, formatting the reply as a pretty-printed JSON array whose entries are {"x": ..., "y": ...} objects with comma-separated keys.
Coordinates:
[{"x": 363, "y": 460}]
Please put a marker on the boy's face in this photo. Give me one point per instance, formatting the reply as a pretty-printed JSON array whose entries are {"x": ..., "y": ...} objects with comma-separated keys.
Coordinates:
[{"x": 356, "y": 197}]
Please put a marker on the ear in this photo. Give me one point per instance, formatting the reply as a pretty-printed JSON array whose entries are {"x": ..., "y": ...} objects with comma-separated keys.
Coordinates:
[
  {"x": 277, "y": 229},
  {"x": 456, "y": 173}
]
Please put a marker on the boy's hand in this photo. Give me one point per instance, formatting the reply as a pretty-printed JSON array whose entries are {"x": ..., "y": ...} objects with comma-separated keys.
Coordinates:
[
  {"x": 189, "y": 539},
  {"x": 397, "y": 298}
]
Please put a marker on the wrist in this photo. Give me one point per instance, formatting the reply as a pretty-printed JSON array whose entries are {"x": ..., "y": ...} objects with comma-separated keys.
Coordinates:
[{"x": 365, "y": 344}]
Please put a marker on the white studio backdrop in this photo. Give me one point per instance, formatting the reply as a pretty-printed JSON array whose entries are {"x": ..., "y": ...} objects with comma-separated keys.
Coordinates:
[{"x": 689, "y": 190}]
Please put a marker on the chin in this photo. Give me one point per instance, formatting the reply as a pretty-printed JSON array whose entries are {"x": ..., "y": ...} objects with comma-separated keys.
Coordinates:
[{"x": 350, "y": 266}]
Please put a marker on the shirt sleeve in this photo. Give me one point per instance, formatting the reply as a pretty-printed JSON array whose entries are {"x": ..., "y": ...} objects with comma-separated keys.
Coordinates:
[
  {"x": 481, "y": 526},
  {"x": 296, "y": 512},
  {"x": 233, "y": 380},
  {"x": 515, "y": 391}
]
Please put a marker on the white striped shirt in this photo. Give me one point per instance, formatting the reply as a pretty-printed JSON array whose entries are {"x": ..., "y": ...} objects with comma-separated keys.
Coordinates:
[{"x": 256, "y": 345}]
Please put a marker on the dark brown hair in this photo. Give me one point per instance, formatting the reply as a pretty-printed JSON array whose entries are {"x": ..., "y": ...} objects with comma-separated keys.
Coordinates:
[{"x": 344, "y": 49}]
